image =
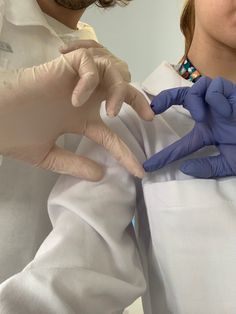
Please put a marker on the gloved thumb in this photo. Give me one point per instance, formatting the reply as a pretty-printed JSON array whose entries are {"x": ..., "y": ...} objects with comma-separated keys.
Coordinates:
[
  {"x": 193, "y": 99},
  {"x": 65, "y": 162},
  {"x": 208, "y": 167},
  {"x": 188, "y": 144}
]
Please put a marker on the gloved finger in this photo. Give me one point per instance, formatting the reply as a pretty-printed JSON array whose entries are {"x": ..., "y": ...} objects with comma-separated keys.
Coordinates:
[
  {"x": 121, "y": 65},
  {"x": 119, "y": 91},
  {"x": 123, "y": 92},
  {"x": 209, "y": 167},
  {"x": 194, "y": 101},
  {"x": 82, "y": 62},
  {"x": 114, "y": 85},
  {"x": 218, "y": 94},
  {"x": 65, "y": 162},
  {"x": 181, "y": 148},
  {"x": 139, "y": 103},
  {"x": 102, "y": 135},
  {"x": 115, "y": 98},
  {"x": 78, "y": 44},
  {"x": 168, "y": 98},
  {"x": 192, "y": 98}
]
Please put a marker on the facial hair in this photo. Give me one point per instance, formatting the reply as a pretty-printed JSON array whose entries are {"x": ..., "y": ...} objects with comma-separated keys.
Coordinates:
[{"x": 75, "y": 4}]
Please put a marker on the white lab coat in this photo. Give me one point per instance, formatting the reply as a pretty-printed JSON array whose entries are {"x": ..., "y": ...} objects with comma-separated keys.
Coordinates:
[
  {"x": 183, "y": 254},
  {"x": 33, "y": 38}
]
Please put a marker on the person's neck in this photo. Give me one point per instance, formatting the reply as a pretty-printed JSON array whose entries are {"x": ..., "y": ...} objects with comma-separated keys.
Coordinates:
[
  {"x": 70, "y": 18},
  {"x": 212, "y": 58}
]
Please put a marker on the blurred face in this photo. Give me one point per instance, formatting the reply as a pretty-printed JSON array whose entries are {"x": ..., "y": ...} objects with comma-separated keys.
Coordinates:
[
  {"x": 217, "y": 20},
  {"x": 75, "y": 4}
]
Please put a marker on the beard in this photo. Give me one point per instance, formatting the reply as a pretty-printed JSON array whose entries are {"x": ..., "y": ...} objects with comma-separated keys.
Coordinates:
[{"x": 75, "y": 4}]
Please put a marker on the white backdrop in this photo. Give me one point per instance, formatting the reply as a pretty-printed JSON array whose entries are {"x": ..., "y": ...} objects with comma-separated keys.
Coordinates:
[{"x": 144, "y": 33}]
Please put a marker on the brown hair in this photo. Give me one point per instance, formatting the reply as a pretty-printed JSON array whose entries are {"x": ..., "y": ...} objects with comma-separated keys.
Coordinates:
[
  {"x": 187, "y": 23},
  {"x": 111, "y": 3}
]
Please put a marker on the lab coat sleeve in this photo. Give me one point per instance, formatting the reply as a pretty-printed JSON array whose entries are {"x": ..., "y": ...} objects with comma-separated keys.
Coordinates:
[{"x": 89, "y": 263}]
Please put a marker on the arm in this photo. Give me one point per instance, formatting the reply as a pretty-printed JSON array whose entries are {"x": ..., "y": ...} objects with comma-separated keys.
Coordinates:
[{"x": 89, "y": 263}]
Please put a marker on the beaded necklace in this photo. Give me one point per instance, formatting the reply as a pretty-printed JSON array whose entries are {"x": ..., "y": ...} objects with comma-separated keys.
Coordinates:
[{"x": 188, "y": 71}]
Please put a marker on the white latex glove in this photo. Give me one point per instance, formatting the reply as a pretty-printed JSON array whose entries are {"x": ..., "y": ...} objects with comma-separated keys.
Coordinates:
[
  {"x": 35, "y": 109},
  {"x": 98, "y": 51}
]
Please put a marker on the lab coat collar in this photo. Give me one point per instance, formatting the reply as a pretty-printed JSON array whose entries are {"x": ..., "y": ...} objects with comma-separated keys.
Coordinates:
[
  {"x": 26, "y": 12},
  {"x": 165, "y": 77}
]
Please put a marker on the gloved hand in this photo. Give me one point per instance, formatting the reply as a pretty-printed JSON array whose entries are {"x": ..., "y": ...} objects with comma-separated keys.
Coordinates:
[
  {"x": 35, "y": 109},
  {"x": 212, "y": 104},
  {"x": 101, "y": 54}
]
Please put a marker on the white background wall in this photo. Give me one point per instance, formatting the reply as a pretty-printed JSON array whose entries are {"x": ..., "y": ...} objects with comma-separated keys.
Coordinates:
[{"x": 144, "y": 33}]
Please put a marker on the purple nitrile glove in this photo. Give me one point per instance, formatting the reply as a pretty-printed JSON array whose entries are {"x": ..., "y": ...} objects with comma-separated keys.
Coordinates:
[{"x": 212, "y": 104}]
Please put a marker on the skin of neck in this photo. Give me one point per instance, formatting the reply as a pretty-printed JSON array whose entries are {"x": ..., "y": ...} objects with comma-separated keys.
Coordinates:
[
  {"x": 68, "y": 17},
  {"x": 211, "y": 57}
]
